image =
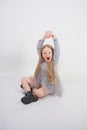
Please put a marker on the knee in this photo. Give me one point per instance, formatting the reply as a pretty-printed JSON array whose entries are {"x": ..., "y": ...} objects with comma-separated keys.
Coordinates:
[
  {"x": 23, "y": 80},
  {"x": 39, "y": 93}
]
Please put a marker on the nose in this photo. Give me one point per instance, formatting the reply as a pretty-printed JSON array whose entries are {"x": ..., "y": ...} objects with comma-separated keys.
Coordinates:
[{"x": 47, "y": 54}]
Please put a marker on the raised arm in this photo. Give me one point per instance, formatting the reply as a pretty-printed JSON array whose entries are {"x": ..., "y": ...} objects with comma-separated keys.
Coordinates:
[
  {"x": 39, "y": 46},
  {"x": 56, "y": 47},
  {"x": 56, "y": 50},
  {"x": 49, "y": 34},
  {"x": 41, "y": 42}
]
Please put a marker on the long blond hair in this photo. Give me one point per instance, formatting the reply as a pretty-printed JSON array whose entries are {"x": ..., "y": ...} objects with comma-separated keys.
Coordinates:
[{"x": 50, "y": 71}]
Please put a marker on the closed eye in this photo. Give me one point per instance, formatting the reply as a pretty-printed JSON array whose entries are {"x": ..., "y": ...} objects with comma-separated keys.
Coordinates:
[{"x": 45, "y": 53}]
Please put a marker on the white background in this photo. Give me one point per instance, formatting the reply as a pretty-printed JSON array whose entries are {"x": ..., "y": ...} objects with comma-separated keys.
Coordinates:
[{"x": 23, "y": 22}]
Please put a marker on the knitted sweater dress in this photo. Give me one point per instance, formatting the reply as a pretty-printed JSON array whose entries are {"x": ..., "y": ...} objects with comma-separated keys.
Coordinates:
[{"x": 41, "y": 78}]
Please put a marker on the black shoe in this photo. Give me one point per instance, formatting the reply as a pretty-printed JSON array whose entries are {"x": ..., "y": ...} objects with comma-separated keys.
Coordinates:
[
  {"x": 29, "y": 98},
  {"x": 22, "y": 88}
]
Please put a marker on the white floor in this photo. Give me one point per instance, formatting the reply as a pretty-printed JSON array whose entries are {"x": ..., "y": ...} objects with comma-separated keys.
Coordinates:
[{"x": 50, "y": 113}]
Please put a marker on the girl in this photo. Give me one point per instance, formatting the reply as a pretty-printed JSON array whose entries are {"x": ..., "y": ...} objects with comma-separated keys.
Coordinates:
[{"x": 45, "y": 80}]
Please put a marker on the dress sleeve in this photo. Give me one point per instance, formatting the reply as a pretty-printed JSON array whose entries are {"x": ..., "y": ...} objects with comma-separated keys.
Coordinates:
[
  {"x": 39, "y": 46},
  {"x": 56, "y": 51}
]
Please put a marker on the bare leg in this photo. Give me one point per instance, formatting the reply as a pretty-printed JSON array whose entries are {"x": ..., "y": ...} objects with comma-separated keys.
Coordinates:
[
  {"x": 39, "y": 92},
  {"x": 25, "y": 83},
  {"x": 29, "y": 97}
]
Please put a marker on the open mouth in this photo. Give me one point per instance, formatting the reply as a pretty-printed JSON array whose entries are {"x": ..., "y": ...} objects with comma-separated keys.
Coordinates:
[{"x": 48, "y": 58}]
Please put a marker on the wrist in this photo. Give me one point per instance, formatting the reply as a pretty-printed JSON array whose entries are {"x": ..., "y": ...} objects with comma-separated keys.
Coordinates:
[{"x": 43, "y": 38}]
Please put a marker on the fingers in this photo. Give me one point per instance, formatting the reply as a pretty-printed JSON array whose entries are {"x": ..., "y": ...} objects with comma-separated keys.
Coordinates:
[{"x": 49, "y": 33}]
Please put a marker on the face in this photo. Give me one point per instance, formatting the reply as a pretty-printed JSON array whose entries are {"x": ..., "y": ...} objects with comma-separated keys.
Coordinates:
[{"x": 47, "y": 54}]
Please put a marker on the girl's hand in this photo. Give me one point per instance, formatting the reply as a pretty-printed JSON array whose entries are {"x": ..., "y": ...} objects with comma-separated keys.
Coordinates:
[
  {"x": 46, "y": 35},
  {"x": 50, "y": 34}
]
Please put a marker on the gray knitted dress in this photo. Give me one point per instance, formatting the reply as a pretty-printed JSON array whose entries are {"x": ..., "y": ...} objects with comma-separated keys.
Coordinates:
[{"x": 42, "y": 79}]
